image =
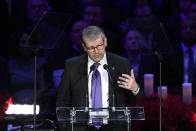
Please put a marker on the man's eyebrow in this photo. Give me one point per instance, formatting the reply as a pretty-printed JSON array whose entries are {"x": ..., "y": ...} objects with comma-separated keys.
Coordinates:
[{"x": 97, "y": 45}]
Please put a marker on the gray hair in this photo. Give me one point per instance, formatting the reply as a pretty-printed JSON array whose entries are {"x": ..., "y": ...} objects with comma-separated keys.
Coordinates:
[{"x": 92, "y": 33}]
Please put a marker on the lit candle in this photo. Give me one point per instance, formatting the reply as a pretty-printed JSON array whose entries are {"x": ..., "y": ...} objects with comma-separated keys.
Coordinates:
[
  {"x": 164, "y": 92},
  {"x": 148, "y": 84},
  {"x": 187, "y": 93}
]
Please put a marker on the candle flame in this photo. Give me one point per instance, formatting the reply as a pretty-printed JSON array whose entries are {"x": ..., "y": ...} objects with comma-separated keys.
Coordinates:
[{"x": 9, "y": 102}]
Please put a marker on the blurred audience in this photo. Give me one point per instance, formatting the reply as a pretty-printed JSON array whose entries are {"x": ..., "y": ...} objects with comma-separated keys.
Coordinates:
[
  {"x": 36, "y": 9},
  {"x": 183, "y": 7},
  {"x": 182, "y": 61},
  {"x": 142, "y": 14},
  {"x": 73, "y": 48},
  {"x": 75, "y": 37},
  {"x": 180, "y": 13},
  {"x": 21, "y": 73},
  {"x": 150, "y": 27},
  {"x": 54, "y": 35},
  {"x": 141, "y": 59},
  {"x": 133, "y": 23},
  {"x": 192, "y": 10},
  {"x": 93, "y": 14}
]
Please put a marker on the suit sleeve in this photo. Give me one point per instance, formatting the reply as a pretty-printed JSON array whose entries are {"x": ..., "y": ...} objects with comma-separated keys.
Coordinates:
[{"x": 64, "y": 90}]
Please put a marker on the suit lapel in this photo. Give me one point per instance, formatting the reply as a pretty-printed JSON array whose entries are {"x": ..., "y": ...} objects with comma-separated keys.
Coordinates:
[
  {"x": 84, "y": 75},
  {"x": 113, "y": 79}
]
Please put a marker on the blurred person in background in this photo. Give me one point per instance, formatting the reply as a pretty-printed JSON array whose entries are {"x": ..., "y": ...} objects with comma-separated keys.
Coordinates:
[
  {"x": 75, "y": 37},
  {"x": 192, "y": 10},
  {"x": 141, "y": 59},
  {"x": 93, "y": 14},
  {"x": 74, "y": 48},
  {"x": 182, "y": 61},
  {"x": 36, "y": 9},
  {"x": 21, "y": 72}
]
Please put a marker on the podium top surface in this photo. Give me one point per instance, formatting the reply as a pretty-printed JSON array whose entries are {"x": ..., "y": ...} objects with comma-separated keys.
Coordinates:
[{"x": 82, "y": 114}]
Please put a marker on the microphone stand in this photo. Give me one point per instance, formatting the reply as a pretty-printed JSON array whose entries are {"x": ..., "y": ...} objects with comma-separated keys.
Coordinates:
[
  {"x": 160, "y": 95},
  {"x": 44, "y": 19},
  {"x": 35, "y": 88},
  {"x": 35, "y": 51},
  {"x": 160, "y": 58}
]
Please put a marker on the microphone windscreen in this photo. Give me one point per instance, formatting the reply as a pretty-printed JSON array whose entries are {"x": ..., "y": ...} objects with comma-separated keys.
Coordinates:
[
  {"x": 92, "y": 67},
  {"x": 105, "y": 66}
]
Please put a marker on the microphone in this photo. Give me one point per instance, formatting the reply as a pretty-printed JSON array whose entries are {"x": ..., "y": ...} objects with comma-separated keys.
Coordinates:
[
  {"x": 159, "y": 56},
  {"x": 91, "y": 69},
  {"x": 108, "y": 68}
]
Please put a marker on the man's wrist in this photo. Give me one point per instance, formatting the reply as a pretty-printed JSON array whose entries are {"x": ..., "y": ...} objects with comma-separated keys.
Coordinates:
[{"x": 136, "y": 92}]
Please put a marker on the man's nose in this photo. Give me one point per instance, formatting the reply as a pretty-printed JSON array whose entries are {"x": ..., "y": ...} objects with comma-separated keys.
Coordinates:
[{"x": 96, "y": 50}]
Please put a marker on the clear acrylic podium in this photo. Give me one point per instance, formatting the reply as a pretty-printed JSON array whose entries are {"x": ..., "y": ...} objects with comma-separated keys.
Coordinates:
[{"x": 84, "y": 115}]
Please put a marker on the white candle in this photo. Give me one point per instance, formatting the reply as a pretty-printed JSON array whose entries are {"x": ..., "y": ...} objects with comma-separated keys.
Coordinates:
[
  {"x": 187, "y": 93},
  {"x": 164, "y": 92},
  {"x": 148, "y": 84}
]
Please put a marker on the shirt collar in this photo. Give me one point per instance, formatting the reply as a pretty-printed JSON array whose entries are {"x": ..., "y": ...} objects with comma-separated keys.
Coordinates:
[
  {"x": 185, "y": 48},
  {"x": 102, "y": 62}
]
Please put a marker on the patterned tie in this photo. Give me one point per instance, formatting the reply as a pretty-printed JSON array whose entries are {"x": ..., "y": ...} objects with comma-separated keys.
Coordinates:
[
  {"x": 96, "y": 94},
  {"x": 190, "y": 65}
]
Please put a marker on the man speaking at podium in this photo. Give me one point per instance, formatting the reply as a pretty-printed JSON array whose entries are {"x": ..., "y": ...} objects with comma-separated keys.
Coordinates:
[{"x": 97, "y": 79}]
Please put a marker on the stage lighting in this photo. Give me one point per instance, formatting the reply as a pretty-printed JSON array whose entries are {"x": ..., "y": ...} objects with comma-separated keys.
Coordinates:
[{"x": 22, "y": 109}]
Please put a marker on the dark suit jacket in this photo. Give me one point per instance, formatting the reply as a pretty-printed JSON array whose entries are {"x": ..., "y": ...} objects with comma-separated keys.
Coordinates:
[
  {"x": 175, "y": 65},
  {"x": 73, "y": 88}
]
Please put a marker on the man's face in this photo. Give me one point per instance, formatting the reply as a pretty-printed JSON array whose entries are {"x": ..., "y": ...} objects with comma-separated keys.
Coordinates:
[
  {"x": 184, "y": 5},
  {"x": 188, "y": 31},
  {"x": 144, "y": 19},
  {"x": 23, "y": 46},
  {"x": 192, "y": 11},
  {"x": 132, "y": 41},
  {"x": 95, "y": 48},
  {"x": 92, "y": 15},
  {"x": 36, "y": 8},
  {"x": 76, "y": 32}
]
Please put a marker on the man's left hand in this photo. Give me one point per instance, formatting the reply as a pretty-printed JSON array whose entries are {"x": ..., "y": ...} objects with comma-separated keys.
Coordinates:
[{"x": 128, "y": 82}]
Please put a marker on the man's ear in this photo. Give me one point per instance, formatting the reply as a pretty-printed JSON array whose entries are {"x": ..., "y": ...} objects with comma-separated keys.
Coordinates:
[{"x": 105, "y": 41}]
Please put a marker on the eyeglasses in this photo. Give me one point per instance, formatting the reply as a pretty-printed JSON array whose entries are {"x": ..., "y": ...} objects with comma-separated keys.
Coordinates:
[{"x": 98, "y": 47}]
